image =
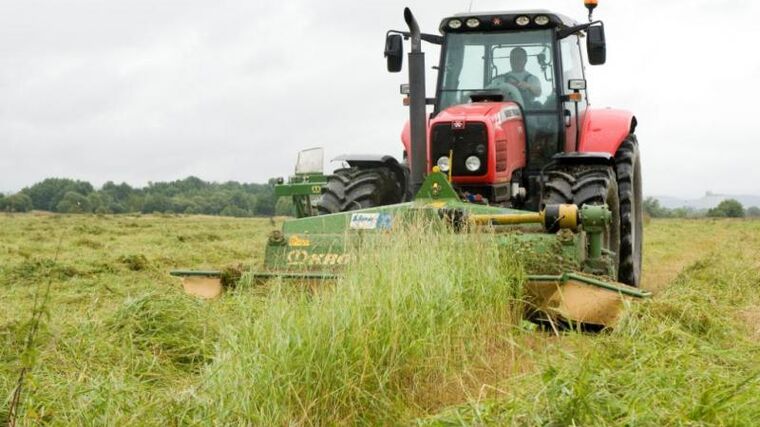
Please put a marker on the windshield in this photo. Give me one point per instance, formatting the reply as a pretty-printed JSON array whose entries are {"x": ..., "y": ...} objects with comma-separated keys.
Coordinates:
[{"x": 517, "y": 65}]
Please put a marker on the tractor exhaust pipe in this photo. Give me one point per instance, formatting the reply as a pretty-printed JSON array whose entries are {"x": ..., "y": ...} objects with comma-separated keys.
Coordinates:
[{"x": 417, "y": 104}]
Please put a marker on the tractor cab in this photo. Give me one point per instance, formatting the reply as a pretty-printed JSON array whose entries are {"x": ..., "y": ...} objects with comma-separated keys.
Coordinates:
[
  {"x": 531, "y": 60},
  {"x": 522, "y": 57}
]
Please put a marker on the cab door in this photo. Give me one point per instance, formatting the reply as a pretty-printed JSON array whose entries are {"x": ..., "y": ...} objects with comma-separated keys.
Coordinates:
[{"x": 573, "y": 109}]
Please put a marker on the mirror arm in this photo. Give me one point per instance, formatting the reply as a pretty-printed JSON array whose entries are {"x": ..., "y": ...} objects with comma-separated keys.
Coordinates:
[
  {"x": 430, "y": 38},
  {"x": 572, "y": 30}
]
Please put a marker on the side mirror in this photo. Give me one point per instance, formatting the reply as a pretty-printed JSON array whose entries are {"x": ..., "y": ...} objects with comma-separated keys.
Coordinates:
[
  {"x": 596, "y": 46},
  {"x": 394, "y": 52}
]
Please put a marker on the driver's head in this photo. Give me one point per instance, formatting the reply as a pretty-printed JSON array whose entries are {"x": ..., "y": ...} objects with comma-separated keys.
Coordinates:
[{"x": 518, "y": 58}]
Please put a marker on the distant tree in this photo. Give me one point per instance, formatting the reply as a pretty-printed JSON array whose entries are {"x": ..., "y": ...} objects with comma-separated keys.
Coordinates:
[
  {"x": 118, "y": 192},
  {"x": 47, "y": 194},
  {"x": 18, "y": 202},
  {"x": 73, "y": 202},
  {"x": 134, "y": 202},
  {"x": 99, "y": 202},
  {"x": 189, "y": 195},
  {"x": 729, "y": 208},
  {"x": 753, "y": 211},
  {"x": 679, "y": 212},
  {"x": 182, "y": 204},
  {"x": 284, "y": 207},
  {"x": 235, "y": 211},
  {"x": 266, "y": 200},
  {"x": 156, "y": 203},
  {"x": 652, "y": 208}
]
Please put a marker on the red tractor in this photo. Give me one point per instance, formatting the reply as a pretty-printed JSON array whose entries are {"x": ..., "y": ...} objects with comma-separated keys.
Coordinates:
[{"x": 511, "y": 125}]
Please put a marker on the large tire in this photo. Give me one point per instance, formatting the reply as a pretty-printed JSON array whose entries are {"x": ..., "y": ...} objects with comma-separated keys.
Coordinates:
[
  {"x": 587, "y": 184},
  {"x": 628, "y": 170},
  {"x": 356, "y": 188}
]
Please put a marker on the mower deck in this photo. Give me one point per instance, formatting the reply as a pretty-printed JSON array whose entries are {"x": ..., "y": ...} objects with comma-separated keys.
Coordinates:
[{"x": 559, "y": 285}]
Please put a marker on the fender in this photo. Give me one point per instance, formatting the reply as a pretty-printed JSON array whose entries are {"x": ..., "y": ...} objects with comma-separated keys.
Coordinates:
[
  {"x": 603, "y": 130},
  {"x": 406, "y": 140}
]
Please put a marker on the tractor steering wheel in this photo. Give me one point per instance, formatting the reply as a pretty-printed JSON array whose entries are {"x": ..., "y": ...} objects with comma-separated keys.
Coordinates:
[{"x": 510, "y": 91}]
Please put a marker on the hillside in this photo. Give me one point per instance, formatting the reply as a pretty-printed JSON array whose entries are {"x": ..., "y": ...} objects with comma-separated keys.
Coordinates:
[{"x": 708, "y": 201}]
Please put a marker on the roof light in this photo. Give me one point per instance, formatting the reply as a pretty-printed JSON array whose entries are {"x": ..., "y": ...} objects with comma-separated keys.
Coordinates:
[
  {"x": 455, "y": 24},
  {"x": 541, "y": 20},
  {"x": 473, "y": 22},
  {"x": 522, "y": 21}
]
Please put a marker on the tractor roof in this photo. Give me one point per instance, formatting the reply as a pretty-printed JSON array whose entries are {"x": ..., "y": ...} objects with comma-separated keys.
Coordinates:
[{"x": 505, "y": 21}]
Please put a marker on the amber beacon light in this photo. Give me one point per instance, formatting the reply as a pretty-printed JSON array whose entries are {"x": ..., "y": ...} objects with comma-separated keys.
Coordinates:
[{"x": 590, "y": 5}]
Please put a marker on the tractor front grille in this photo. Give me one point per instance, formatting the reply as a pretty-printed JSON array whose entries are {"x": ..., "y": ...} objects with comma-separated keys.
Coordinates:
[{"x": 470, "y": 140}]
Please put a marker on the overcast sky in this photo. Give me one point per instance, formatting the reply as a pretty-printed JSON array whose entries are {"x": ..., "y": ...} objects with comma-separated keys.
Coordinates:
[{"x": 149, "y": 90}]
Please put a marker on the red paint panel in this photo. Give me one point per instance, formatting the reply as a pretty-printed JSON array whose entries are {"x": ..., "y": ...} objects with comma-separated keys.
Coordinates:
[
  {"x": 603, "y": 130},
  {"x": 506, "y": 138}
]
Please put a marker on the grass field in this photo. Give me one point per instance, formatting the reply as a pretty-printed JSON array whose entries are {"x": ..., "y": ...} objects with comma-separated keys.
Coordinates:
[{"x": 414, "y": 334}]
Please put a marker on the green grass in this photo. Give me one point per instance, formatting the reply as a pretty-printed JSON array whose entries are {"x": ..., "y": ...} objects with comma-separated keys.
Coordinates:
[
  {"x": 689, "y": 356},
  {"x": 415, "y": 332},
  {"x": 351, "y": 354}
]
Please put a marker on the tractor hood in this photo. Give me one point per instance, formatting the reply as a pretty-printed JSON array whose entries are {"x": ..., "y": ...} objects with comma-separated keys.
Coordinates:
[{"x": 478, "y": 111}]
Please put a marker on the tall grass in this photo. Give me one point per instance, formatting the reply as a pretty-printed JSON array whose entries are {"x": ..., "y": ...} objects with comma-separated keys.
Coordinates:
[
  {"x": 682, "y": 358},
  {"x": 122, "y": 368},
  {"x": 421, "y": 321},
  {"x": 407, "y": 309}
]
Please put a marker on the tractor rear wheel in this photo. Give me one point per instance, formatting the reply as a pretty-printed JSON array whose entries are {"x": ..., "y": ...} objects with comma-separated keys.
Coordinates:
[
  {"x": 628, "y": 170},
  {"x": 584, "y": 185},
  {"x": 355, "y": 188}
]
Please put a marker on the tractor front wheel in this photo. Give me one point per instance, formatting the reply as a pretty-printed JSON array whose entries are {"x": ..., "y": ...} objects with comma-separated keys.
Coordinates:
[
  {"x": 356, "y": 188},
  {"x": 587, "y": 185},
  {"x": 628, "y": 170}
]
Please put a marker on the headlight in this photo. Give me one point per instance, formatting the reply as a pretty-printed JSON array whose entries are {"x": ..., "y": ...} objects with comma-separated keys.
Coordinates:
[
  {"x": 541, "y": 20},
  {"x": 443, "y": 164},
  {"x": 455, "y": 24},
  {"x": 521, "y": 21},
  {"x": 473, "y": 22},
  {"x": 472, "y": 163}
]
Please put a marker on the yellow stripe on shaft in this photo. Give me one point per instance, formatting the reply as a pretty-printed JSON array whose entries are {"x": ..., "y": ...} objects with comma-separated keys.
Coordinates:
[{"x": 508, "y": 219}]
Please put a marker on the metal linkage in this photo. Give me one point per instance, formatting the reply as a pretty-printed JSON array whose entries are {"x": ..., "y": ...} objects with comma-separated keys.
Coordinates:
[
  {"x": 553, "y": 218},
  {"x": 302, "y": 187}
]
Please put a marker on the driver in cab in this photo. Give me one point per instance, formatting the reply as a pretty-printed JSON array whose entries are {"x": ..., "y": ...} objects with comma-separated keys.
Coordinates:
[{"x": 524, "y": 81}]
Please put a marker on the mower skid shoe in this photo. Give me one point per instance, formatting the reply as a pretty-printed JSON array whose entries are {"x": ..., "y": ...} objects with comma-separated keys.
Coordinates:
[
  {"x": 202, "y": 284},
  {"x": 577, "y": 299}
]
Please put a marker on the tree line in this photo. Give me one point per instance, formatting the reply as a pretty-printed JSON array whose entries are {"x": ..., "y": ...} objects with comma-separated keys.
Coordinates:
[
  {"x": 729, "y": 208},
  {"x": 187, "y": 196},
  {"x": 195, "y": 196}
]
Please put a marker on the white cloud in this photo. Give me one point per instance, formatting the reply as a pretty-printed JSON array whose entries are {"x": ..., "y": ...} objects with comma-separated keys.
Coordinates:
[{"x": 147, "y": 91}]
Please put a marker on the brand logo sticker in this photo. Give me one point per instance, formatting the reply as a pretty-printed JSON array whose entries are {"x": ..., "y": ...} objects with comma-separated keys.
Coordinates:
[
  {"x": 371, "y": 221},
  {"x": 296, "y": 240}
]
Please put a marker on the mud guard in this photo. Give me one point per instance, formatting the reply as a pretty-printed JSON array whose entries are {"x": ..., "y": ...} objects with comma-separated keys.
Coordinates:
[{"x": 603, "y": 130}]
